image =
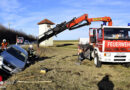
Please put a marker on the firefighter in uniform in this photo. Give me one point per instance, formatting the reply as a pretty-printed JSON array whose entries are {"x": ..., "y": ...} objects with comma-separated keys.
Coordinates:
[
  {"x": 81, "y": 55},
  {"x": 4, "y": 45},
  {"x": 31, "y": 54},
  {"x": 31, "y": 50}
]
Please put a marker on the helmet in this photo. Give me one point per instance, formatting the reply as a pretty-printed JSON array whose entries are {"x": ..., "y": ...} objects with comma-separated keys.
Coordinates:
[
  {"x": 30, "y": 46},
  {"x": 4, "y": 40}
]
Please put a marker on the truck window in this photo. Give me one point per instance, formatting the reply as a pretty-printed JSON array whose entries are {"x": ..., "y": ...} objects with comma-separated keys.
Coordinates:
[
  {"x": 100, "y": 33},
  {"x": 117, "y": 33},
  {"x": 129, "y": 33}
]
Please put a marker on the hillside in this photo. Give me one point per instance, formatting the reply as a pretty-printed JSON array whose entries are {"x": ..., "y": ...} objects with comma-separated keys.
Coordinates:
[{"x": 10, "y": 35}]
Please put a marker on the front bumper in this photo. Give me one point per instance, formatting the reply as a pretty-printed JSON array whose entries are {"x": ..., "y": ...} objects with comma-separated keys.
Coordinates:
[
  {"x": 8, "y": 69},
  {"x": 114, "y": 57}
]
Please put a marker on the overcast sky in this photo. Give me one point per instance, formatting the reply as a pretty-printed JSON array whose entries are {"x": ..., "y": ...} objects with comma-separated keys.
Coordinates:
[{"x": 25, "y": 14}]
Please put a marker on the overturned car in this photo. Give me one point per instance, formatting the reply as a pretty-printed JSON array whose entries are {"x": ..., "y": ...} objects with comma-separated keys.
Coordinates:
[{"x": 13, "y": 59}]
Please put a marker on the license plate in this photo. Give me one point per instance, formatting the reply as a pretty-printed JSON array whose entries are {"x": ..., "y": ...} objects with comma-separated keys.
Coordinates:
[{"x": 7, "y": 68}]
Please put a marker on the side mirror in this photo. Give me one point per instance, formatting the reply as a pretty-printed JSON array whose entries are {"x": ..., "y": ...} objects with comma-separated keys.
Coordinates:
[{"x": 94, "y": 35}]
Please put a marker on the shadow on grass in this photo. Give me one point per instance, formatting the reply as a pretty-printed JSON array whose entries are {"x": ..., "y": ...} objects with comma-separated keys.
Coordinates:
[
  {"x": 37, "y": 59},
  {"x": 105, "y": 84},
  {"x": 62, "y": 45},
  {"x": 65, "y": 57},
  {"x": 75, "y": 55},
  {"x": 127, "y": 65},
  {"x": 44, "y": 58}
]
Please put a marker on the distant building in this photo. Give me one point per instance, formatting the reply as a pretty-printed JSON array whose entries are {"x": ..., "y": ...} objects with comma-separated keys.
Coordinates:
[{"x": 44, "y": 26}]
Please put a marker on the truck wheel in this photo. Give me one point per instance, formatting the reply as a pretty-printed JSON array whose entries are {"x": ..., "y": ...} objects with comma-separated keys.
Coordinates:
[
  {"x": 87, "y": 54},
  {"x": 96, "y": 61}
]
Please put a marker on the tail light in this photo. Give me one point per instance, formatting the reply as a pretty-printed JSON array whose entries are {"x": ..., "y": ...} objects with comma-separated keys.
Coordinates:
[{"x": 1, "y": 78}]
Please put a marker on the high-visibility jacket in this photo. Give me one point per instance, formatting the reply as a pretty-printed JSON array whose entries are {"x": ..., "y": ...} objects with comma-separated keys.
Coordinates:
[{"x": 4, "y": 45}]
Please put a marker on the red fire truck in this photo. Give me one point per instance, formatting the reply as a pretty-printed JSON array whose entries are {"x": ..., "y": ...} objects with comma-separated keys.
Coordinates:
[
  {"x": 106, "y": 44},
  {"x": 20, "y": 40}
]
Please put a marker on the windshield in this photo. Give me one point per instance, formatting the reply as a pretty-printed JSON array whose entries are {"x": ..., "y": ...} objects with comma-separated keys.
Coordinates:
[
  {"x": 18, "y": 54},
  {"x": 117, "y": 33}
]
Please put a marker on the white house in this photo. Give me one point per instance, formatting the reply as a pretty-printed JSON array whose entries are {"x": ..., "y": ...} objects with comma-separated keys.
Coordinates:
[{"x": 44, "y": 26}]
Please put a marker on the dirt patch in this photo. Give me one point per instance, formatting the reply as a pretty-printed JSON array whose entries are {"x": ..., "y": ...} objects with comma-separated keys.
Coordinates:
[
  {"x": 100, "y": 74},
  {"x": 128, "y": 86},
  {"x": 77, "y": 73}
]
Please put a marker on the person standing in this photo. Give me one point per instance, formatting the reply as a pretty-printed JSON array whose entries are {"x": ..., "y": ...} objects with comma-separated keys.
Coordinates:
[{"x": 4, "y": 44}]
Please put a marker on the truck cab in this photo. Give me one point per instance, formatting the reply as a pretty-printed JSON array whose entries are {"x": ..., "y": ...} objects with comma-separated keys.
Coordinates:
[{"x": 110, "y": 44}]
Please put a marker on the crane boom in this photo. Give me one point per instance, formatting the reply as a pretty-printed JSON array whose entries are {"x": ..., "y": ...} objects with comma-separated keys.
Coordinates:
[{"x": 72, "y": 24}]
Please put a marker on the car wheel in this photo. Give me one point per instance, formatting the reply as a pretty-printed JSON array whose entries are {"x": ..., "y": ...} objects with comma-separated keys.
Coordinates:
[{"x": 96, "y": 61}]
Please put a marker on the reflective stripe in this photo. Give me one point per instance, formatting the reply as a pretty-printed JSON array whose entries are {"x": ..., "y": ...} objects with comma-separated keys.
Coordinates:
[{"x": 103, "y": 45}]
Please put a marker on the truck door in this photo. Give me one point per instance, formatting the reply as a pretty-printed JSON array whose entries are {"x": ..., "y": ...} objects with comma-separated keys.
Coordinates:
[
  {"x": 92, "y": 35},
  {"x": 99, "y": 39}
]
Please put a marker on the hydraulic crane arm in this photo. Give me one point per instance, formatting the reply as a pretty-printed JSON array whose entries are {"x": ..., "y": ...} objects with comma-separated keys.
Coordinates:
[{"x": 72, "y": 24}]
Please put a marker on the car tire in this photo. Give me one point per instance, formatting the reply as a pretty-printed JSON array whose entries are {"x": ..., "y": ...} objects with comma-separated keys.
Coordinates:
[{"x": 96, "y": 61}]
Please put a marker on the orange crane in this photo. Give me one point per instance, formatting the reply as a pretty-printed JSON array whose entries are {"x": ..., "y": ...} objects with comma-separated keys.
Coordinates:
[{"x": 73, "y": 24}]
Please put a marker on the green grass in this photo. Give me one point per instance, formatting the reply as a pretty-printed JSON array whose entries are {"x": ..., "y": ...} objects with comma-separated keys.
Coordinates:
[{"x": 65, "y": 74}]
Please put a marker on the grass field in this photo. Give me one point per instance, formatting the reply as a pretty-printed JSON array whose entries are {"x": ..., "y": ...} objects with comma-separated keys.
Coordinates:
[{"x": 65, "y": 74}]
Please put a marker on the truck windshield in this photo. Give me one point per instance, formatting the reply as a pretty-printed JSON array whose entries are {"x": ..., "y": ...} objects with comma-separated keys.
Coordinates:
[
  {"x": 116, "y": 33},
  {"x": 18, "y": 54}
]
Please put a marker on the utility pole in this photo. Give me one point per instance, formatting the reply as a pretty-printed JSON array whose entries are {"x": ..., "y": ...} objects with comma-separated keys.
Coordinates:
[{"x": 8, "y": 25}]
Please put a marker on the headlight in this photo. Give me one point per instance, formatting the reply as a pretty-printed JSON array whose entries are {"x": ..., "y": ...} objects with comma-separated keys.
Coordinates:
[
  {"x": 107, "y": 54},
  {"x": 1, "y": 60}
]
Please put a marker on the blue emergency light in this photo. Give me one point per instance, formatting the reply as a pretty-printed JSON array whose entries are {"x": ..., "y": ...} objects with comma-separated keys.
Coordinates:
[
  {"x": 104, "y": 23},
  {"x": 128, "y": 24}
]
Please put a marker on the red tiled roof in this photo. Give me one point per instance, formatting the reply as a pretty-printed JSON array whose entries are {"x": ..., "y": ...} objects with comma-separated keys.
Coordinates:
[{"x": 46, "y": 21}]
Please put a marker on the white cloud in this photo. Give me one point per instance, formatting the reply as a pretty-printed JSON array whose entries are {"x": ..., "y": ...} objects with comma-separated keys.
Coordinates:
[{"x": 9, "y": 5}]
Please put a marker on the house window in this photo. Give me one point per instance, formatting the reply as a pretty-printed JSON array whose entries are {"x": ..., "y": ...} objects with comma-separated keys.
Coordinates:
[{"x": 48, "y": 25}]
